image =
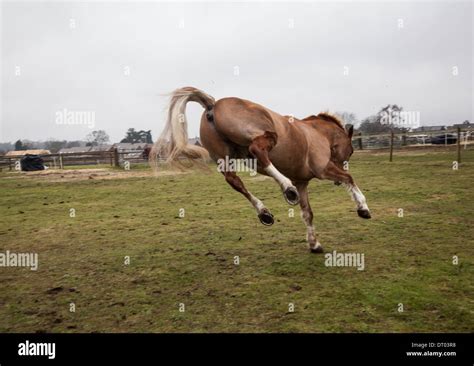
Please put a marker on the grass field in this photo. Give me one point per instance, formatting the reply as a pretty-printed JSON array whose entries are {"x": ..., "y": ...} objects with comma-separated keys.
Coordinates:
[{"x": 190, "y": 260}]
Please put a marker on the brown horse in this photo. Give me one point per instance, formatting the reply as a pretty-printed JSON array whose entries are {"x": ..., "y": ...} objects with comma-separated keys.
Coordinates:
[{"x": 291, "y": 151}]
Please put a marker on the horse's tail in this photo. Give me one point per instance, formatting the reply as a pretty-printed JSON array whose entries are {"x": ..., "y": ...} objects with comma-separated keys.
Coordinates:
[{"x": 173, "y": 143}]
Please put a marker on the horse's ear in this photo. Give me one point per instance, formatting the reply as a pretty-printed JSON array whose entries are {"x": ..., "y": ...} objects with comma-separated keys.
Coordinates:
[{"x": 350, "y": 130}]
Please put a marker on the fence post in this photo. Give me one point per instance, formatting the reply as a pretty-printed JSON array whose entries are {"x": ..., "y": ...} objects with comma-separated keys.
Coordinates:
[
  {"x": 61, "y": 161},
  {"x": 466, "y": 137},
  {"x": 459, "y": 145},
  {"x": 391, "y": 145},
  {"x": 360, "y": 140},
  {"x": 116, "y": 158}
]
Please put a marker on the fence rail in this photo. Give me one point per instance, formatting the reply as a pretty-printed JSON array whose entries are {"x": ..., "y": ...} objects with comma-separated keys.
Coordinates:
[
  {"x": 381, "y": 141},
  {"x": 60, "y": 160},
  {"x": 396, "y": 141}
]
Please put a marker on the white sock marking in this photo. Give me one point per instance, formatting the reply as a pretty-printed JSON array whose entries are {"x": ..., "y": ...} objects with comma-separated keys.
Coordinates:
[
  {"x": 283, "y": 181},
  {"x": 259, "y": 206},
  {"x": 357, "y": 196}
]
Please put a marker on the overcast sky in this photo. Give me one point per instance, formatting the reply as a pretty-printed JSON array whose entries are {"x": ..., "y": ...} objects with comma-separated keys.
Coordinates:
[{"x": 295, "y": 58}]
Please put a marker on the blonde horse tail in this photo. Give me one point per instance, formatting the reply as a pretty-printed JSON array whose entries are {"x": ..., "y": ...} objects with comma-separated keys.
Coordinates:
[{"x": 172, "y": 145}]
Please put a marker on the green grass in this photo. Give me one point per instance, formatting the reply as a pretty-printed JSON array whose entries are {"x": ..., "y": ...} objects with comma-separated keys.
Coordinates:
[{"x": 190, "y": 260}]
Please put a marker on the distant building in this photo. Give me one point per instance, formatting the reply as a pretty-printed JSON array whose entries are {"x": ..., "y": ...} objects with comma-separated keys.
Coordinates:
[
  {"x": 132, "y": 151},
  {"x": 20, "y": 153},
  {"x": 105, "y": 147},
  {"x": 429, "y": 128},
  {"x": 76, "y": 149},
  {"x": 82, "y": 149},
  {"x": 127, "y": 146},
  {"x": 465, "y": 124}
]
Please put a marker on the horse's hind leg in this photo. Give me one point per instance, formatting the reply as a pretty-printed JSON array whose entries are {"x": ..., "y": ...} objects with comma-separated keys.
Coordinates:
[
  {"x": 266, "y": 218},
  {"x": 220, "y": 149},
  {"x": 259, "y": 148}
]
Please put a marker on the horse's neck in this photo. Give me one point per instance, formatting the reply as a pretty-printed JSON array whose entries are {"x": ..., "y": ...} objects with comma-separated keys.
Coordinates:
[{"x": 326, "y": 128}]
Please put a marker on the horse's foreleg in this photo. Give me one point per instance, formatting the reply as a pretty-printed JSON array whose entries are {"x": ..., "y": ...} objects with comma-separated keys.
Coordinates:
[
  {"x": 266, "y": 218},
  {"x": 334, "y": 173},
  {"x": 307, "y": 215},
  {"x": 259, "y": 148}
]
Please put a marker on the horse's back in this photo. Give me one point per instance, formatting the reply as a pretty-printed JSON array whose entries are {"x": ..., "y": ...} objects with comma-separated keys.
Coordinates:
[{"x": 241, "y": 120}]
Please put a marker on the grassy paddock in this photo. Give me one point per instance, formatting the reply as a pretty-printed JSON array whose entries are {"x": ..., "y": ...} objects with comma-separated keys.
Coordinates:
[{"x": 190, "y": 260}]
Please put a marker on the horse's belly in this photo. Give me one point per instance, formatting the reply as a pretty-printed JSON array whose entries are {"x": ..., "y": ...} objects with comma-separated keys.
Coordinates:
[{"x": 290, "y": 163}]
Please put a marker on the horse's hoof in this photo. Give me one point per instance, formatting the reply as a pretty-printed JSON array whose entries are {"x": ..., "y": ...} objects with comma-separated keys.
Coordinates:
[
  {"x": 365, "y": 214},
  {"x": 266, "y": 218},
  {"x": 292, "y": 196},
  {"x": 317, "y": 249}
]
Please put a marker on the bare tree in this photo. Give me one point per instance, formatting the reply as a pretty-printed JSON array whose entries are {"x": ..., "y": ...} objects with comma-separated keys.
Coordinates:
[
  {"x": 349, "y": 118},
  {"x": 54, "y": 145},
  {"x": 97, "y": 138},
  {"x": 389, "y": 118}
]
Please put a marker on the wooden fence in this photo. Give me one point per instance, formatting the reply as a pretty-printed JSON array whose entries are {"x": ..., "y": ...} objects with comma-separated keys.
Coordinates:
[
  {"x": 59, "y": 161},
  {"x": 461, "y": 139},
  {"x": 391, "y": 142}
]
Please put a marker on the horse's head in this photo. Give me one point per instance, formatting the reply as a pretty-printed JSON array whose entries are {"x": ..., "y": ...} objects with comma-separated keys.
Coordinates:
[
  {"x": 339, "y": 136},
  {"x": 341, "y": 149}
]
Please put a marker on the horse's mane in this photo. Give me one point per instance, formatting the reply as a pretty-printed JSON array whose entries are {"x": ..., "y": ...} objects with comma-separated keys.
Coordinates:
[{"x": 328, "y": 117}]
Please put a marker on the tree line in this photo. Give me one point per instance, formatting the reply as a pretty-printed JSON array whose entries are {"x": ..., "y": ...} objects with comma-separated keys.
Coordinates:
[
  {"x": 387, "y": 119},
  {"x": 95, "y": 138}
]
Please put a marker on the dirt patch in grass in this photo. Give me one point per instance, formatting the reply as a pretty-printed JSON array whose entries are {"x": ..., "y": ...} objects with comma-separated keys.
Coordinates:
[{"x": 58, "y": 175}]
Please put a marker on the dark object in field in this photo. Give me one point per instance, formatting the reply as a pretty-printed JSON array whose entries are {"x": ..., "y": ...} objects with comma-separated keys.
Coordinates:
[
  {"x": 444, "y": 139},
  {"x": 146, "y": 153},
  {"x": 30, "y": 163}
]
